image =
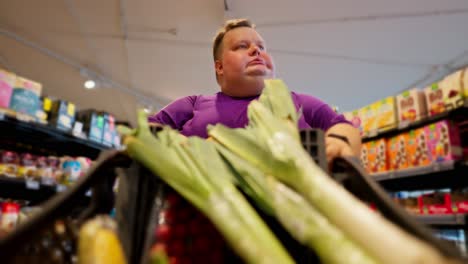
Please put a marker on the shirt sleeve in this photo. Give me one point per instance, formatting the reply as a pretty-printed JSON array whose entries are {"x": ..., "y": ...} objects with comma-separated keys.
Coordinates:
[
  {"x": 318, "y": 114},
  {"x": 176, "y": 114}
]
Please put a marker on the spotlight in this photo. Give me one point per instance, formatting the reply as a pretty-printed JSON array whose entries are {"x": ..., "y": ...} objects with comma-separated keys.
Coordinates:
[{"x": 90, "y": 84}]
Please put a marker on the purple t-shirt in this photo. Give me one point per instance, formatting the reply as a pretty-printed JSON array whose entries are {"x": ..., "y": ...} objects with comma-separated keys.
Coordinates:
[{"x": 192, "y": 114}]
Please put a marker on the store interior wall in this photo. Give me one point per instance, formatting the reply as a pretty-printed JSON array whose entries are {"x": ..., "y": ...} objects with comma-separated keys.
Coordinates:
[{"x": 148, "y": 53}]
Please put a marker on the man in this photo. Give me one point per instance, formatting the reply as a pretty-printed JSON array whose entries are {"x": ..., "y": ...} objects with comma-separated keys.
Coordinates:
[{"x": 242, "y": 63}]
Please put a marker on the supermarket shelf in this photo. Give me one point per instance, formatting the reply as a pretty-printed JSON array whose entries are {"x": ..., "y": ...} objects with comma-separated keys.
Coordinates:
[
  {"x": 23, "y": 135},
  {"x": 458, "y": 112},
  {"x": 455, "y": 220},
  {"x": 32, "y": 191},
  {"x": 435, "y": 176}
]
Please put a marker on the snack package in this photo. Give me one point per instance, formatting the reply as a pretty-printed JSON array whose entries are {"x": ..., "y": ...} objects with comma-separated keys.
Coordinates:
[
  {"x": 452, "y": 87},
  {"x": 435, "y": 203},
  {"x": 7, "y": 81},
  {"x": 25, "y": 97},
  {"x": 445, "y": 95},
  {"x": 27, "y": 168},
  {"x": 397, "y": 152},
  {"x": 460, "y": 201},
  {"x": 365, "y": 155},
  {"x": 9, "y": 164},
  {"x": 411, "y": 106},
  {"x": 444, "y": 141},
  {"x": 377, "y": 156},
  {"x": 368, "y": 116},
  {"x": 386, "y": 113},
  {"x": 417, "y": 148},
  {"x": 44, "y": 171},
  {"x": 464, "y": 82}
]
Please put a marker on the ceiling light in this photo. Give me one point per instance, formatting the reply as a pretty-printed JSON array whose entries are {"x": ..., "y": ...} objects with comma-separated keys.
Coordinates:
[{"x": 90, "y": 84}]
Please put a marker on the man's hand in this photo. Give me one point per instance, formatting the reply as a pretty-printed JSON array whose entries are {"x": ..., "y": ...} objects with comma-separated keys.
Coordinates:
[{"x": 335, "y": 147}]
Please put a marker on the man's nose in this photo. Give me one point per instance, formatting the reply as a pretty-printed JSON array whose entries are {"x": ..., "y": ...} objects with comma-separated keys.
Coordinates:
[{"x": 254, "y": 50}]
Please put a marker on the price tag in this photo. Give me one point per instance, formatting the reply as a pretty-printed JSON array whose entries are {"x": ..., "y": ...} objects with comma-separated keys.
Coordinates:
[
  {"x": 71, "y": 109},
  {"x": 22, "y": 117},
  {"x": 89, "y": 193},
  {"x": 61, "y": 188},
  {"x": 32, "y": 185},
  {"x": 2, "y": 115},
  {"x": 77, "y": 129},
  {"x": 403, "y": 124}
]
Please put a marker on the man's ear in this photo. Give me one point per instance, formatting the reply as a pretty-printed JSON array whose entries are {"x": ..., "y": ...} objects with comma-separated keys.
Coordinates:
[{"x": 219, "y": 67}]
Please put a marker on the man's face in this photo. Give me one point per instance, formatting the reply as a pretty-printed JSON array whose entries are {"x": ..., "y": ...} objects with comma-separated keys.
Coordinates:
[{"x": 244, "y": 62}]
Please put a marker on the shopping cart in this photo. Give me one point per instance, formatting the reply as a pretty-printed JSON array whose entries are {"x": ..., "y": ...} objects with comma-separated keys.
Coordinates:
[{"x": 141, "y": 197}]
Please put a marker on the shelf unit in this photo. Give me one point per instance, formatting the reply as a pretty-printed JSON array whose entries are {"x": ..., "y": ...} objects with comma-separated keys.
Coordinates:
[
  {"x": 446, "y": 174},
  {"x": 22, "y": 135}
]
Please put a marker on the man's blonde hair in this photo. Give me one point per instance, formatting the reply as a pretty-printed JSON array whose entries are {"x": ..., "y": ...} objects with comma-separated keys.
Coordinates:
[{"x": 228, "y": 26}]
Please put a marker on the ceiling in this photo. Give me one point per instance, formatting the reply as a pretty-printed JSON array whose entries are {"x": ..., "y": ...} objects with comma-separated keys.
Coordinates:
[{"x": 149, "y": 52}]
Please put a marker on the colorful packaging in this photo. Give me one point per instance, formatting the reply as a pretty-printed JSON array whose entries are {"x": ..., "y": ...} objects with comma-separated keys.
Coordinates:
[
  {"x": 386, "y": 113},
  {"x": 10, "y": 214},
  {"x": 27, "y": 168},
  {"x": 417, "y": 149},
  {"x": 25, "y": 97},
  {"x": 7, "y": 81},
  {"x": 72, "y": 171},
  {"x": 44, "y": 171},
  {"x": 464, "y": 83},
  {"x": 108, "y": 130},
  {"x": 397, "y": 152},
  {"x": 452, "y": 85},
  {"x": 377, "y": 156},
  {"x": 369, "y": 119},
  {"x": 411, "y": 106},
  {"x": 9, "y": 163},
  {"x": 445, "y": 95},
  {"x": 435, "y": 203},
  {"x": 444, "y": 141},
  {"x": 365, "y": 156},
  {"x": 62, "y": 115}
]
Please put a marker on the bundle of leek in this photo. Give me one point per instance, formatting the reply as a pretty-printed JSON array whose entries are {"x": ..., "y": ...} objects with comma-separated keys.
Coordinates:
[
  {"x": 195, "y": 170},
  {"x": 272, "y": 146}
]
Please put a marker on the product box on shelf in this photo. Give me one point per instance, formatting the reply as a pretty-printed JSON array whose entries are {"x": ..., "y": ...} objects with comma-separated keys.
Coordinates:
[
  {"x": 27, "y": 168},
  {"x": 93, "y": 124},
  {"x": 397, "y": 152},
  {"x": 25, "y": 97},
  {"x": 417, "y": 148},
  {"x": 386, "y": 113},
  {"x": 445, "y": 95},
  {"x": 411, "y": 106},
  {"x": 444, "y": 141},
  {"x": 460, "y": 201},
  {"x": 9, "y": 163},
  {"x": 62, "y": 115},
  {"x": 368, "y": 116},
  {"x": 365, "y": 156},
  {"x": 7, "y": 81},
  {"x": 377, "y": 156},
  {"x": 464, "y": 83},
  {"x": 435, "y": 203},
  {"x": 108, "y": 130},
  {"x": 452, "y": 85}
]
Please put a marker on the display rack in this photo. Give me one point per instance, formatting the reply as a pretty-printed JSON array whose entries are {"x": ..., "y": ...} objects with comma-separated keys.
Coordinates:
[
  {"x": 450, "y": 221},
  {"x": 29, "y": 190},
  {"x": 446, "y": 174},
  {"x": 23, "y": 135},
  {"x": 457, "y": 113}
]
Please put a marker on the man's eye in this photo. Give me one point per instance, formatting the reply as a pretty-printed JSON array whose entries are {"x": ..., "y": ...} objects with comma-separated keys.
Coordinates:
[
  {"x": 261, "y": 47},
  {"x": 241, "y": 46}
]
